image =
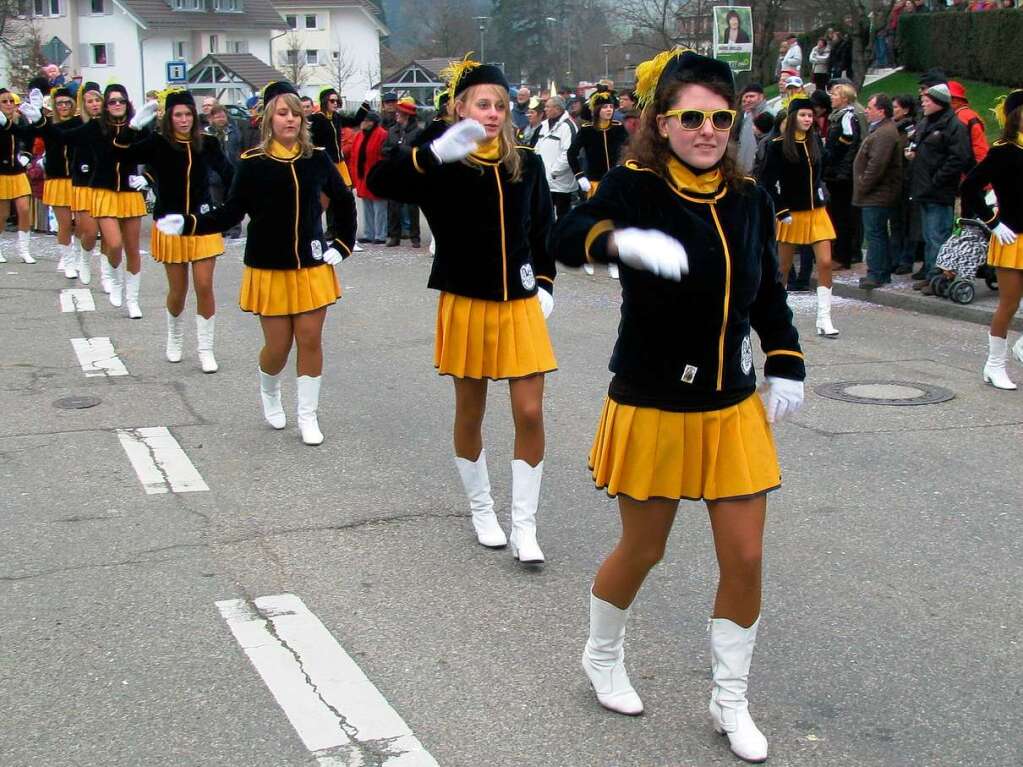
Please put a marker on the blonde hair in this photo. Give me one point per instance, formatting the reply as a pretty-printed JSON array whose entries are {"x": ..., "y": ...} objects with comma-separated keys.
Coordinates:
[
  {"x": 509, "y": 152},
  {"x": 845, "y": 91},
  {"x": 266, "y": 133},
  {"x": 84, "y": 112}
]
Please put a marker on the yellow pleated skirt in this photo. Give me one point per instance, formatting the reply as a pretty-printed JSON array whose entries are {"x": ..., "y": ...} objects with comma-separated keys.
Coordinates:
[
  {"x": 168, "y": 249},
  {"x": 13, "y": 186},
  {"x": 716, "y": 455},
  {"x": 498, "y": 340},
  {"x": 807, "y": 227},
  {"x": 593, "y": 189},
  {"x": 1005, "y": 256},
  {"x": 342, "y": 168},
  {"x": 109, "y": 204},
  {"x": 279, "y": 292},
  {"x": 81, "y": 198},
  {"x": 57, "y": 192}
]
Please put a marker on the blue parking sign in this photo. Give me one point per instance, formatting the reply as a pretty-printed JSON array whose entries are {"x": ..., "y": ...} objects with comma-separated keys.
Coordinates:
[{"x": 177, "y": 72}]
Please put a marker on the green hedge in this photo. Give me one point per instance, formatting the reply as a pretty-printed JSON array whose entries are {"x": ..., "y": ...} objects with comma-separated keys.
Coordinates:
[{"x": 984, "y": 46}]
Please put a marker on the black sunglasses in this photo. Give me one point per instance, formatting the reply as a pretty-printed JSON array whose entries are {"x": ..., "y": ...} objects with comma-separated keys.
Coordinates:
[{"x": 116, "y": 101}]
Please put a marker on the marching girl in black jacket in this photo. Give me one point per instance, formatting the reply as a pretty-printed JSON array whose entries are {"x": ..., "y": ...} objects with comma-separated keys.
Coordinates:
[
  {"x": 1003, "y": 170},
  {"x": 82, "y": 166},
  {"x": 695, "y": 241},
  {"x": 792, "y": 174},
  {"x": 325, "y": 129},
  {"x": 490, "y": 210},
  {"x": 15, "y": 132},
  {"x": 178, "y": 160},
  {"x": 289, "y": 279},
  {"x": 117, "y": 205},
  {"x": 57, "y": 186}
]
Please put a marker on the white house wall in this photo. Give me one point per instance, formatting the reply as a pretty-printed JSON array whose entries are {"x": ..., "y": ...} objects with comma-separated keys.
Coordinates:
[{"x": 117, "y": 28}]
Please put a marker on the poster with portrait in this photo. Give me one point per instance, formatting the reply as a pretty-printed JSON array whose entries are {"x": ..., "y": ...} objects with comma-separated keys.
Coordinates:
[{"x": 733, "y": 36}]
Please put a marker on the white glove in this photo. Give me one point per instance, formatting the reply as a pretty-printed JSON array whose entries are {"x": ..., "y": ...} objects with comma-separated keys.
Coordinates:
[
  {"x": 3, "y": 120},
  {"x": 371, "y": 95},
  {"x": 25, "y": 159},
  {"x": 584, "y": 184},
  {"x": 787, "y": 220},
  {"x": 1004, "y": 234},
  {"x": 784, "y": 398},
  {"x": 138, "y": 183},
  {"x": 332, "y": 256},
  {"x": 171, "y": 224},
  {"x": 847, "y": 124},
  {"x": 144, "y": 116},
  {"x": 31, "y": 112},
  {"x": 653, "y": 251},
  {"x": 35, "y": 98},
  {"x": 458, "y": 141},
  {"x": 546, "y": 302}
]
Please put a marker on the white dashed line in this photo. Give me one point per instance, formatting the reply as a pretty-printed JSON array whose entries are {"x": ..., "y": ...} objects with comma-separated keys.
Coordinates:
[
  {"x": 97, "y": 357},
  {"x": 162, "y": 466},
  {"x": 337, "y": 712},
  {"x": 77, "y": 300}
]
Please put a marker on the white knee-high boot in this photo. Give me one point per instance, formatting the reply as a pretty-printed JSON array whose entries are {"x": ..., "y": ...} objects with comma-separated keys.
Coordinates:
[
  {"x": 131, "y": 294},
  {"x": 25, "y": 247},
  {"x": 116, "y": 283},
  {"x": 175, "y": 336},
  {"x": 731, "y": 648},
  {"x": 525, "y": 498},
  {"x": 308, "y": 403},
  {"x": 994, "y": 368},
  {"x": 62, "y": 261},
  {"x": 106, "y": 274},
  {"x": 204, "y": 333},
  {"x": 476, "y": 481},
  {"x": 1017, "y": 350},
  {"x": 270, "y": 394},
  {"x": 604, "y": 658},
  {"x": 85, "y": 265},
  {"x": 824, "y": 326}
]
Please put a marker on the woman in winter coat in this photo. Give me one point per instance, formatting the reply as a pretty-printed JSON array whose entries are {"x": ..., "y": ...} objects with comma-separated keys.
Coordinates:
[{"x": 366, "y": 150}]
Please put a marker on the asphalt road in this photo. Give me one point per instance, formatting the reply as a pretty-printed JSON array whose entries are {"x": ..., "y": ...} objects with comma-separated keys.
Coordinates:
[{"x": 892, "y": 613}]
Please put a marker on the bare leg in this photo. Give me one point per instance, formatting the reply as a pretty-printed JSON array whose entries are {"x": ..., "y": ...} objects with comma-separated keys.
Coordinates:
[
  {"x": 470, "y": 406},
  {"x": 177, "y": 287},
  {"x": 63, "y": 216},
  {"x": 822, "y": 254},
  {"x": 21, "y": 208},
  {"x": 308, "y": 329},
  {"x": 131, "y": 231},
  {"x": 1010, "y": 289},
  {"x": 202, "y": 277},
  {"x": 277, "y": 336},
  {"x": 739, "y": 542},
  {"x": 527, "y": 412},
  {"x": 110, "y": 228},
  {"x": 786, "y": 253},
  {"x": 86, "y": 229}
]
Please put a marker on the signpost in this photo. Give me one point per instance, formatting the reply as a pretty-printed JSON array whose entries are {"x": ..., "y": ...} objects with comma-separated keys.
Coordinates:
[
  {"x": 733, "y": 36},
  {"x": 56, "y": 51},
  {"x": 177, "y": 72}
]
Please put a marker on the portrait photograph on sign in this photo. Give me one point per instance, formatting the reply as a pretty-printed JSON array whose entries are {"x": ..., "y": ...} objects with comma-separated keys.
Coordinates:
[{"x": 733, "y": 36}]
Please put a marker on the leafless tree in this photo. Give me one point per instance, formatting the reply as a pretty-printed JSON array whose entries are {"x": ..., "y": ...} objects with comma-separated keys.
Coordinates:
[
  {"x": 343, "y": 67},
  {"x": 292, "y": 59},
  {"x": 22, "y": 45},
  {"x": 445, "y": 28}
]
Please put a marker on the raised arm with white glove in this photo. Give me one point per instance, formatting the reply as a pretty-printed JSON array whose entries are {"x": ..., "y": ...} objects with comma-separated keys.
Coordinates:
[
  {"x": 138, "y": 183},
  {"x": 33, "y": 108},
  {"x": 144, "y": 116},
  {"x": 783, "y": 398},
  {"x": 653, "y": 251},
  {"x": 371, "y": 95},
  {"x": 173, "y": 224},
  {"x": 1004, "y": 234},
  {"x": 459, "y": 141}
]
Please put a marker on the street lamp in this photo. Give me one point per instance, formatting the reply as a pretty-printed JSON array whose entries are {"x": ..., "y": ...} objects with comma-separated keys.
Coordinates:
[
  {"x": 482, "y": 21},
  {"x": 606, "y": 46}
]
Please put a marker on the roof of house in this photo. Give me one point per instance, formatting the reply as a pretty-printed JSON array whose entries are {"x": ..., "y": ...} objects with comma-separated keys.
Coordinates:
[
  {"x": 432, "y": 66},
  {"x": 158, "y": 14},
  {"x": 246, "y": 66},
  {"x": 371, "y": 9}
]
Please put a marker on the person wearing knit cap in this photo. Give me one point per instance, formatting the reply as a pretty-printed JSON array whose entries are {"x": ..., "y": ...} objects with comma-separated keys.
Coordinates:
[
  {"x": 16, "y": 134},
  {"x": 1002, "y": 170},
  {"x": 490, "y": 211},
  {"x": 695, "y": 241},
  {"x": 968, "y": 117},
  {"x": 388, "y": 109},
  {"x": 57, "y": 190},
  {"x": 178, "y": 160},
  {"x": 793, "y": 173},
  {"x": 939, "y": 154},
  {"x": 289, "y": 278}
]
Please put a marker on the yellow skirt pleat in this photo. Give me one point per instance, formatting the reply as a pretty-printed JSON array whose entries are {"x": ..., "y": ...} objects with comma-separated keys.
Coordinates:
[
  {"x": 498, "y": 340},
  {"x": 593, "y": 189},
  {"x": 279, "y": 292},
  {"x": 342, "y": 168},
  {"x": 57, "y": 192},
  {"x": 168, "y": 249},
  {"x": 13, "y": 186},
  {"x": 714, "y": 455},
  {"x": 81, "y": 198},
  {"x": 807, "y": 227},
  {"x": 109, "y": 204},
  {"x": 1005, "y": 256}
]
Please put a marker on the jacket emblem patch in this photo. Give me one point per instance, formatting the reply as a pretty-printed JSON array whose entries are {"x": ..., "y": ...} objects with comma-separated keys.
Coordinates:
[
  {"x": 317, "y": 250},
  {"x": 689, "y": 374},
  {"x": 747, "y": 356},
  {"x": 526, "y": 275},
  {"x": 85, "y": 169}
]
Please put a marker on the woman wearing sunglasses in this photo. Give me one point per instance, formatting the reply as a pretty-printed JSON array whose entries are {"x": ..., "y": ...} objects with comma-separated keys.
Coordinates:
[
  {"x": 57, "y": 186},
  {"x": 695, "y": 242},
  {"x": 289, "y": 278},
  {"x": 179, "y": 159},
  {"x": 792, "y": 174},
  {"x": 490, "y": 210},
  {"x": 15, "y": 138}
]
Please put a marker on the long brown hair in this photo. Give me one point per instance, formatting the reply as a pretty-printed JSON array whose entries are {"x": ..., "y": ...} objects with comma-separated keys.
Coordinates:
[
  {"x": 510, "y": 158},
  {"x": 266, "y": 132},
  {"x": 168, "y": 132},
  {"x": 1011, "y": 129},
  {"x": 649, "y": 148},
  {"x": 791, "y": 151}
]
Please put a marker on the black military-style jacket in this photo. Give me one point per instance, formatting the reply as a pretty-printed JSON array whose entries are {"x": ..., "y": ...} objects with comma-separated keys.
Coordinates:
[
  {"x": 600, "y": 147},
  {"x": 59, "y": 156},
  {"x": 1003, "y": 170},
  {"x": 685, "y": 346},
  {"x": 326, "y": 131},
  {"x": 431, "y": 131},
  {"x": 491, "y": 232},
  {"x": 178, "y": 175},
  {"x": 103, "y": 169},
  {"x": 282, "y": 199},
  {"x": 793, "y": 185},
  {"x": 14, "y": 138}
]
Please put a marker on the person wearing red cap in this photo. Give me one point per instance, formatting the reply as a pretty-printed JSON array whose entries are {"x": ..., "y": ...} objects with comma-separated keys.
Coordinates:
[
  {"x": 401, "y": 137},
  {"x": 969, "y": 118}
]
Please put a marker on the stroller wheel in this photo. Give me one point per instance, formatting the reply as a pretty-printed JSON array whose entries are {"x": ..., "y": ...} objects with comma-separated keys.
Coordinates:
[
  {"x": 962, "y": 292},
  {"x": 939, "y": 285}
]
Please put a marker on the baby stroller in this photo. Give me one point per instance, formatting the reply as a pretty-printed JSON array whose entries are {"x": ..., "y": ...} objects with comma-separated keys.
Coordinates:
[{"x": 961, "y": 259}]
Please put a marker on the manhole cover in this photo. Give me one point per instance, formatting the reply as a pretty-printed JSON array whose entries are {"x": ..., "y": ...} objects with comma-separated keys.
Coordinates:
[
  {"x": 77, "y": 403},
  {"x": 885, "y": 392}
]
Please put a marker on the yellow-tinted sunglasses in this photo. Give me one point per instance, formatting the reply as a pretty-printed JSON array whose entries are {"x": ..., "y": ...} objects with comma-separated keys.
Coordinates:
[{"x": 693, "y": 119}]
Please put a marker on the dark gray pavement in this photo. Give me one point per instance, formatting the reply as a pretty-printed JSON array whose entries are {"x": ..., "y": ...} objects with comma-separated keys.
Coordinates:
[{"x": 892, "y": 617}]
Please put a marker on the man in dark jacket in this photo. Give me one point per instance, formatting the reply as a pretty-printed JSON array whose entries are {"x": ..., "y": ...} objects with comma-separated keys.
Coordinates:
[
  {"x": 229, "y": 135},
  {"x": 940, "y": 153},
  {"x": 400, "y": 140},
  {"x": 877, "y": 184}
]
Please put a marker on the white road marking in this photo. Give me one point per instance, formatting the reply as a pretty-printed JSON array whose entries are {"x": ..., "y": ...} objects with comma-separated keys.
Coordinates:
[
  {"x": 76, "y": 300},
  {"x": 97, "y": 357},
  {"x": 162, "y": 466},
  {"x": 337, "y": 712}
]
